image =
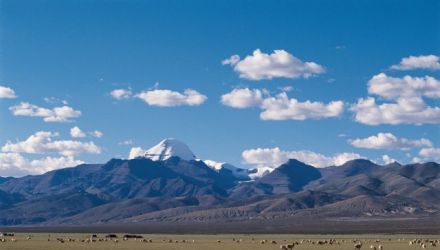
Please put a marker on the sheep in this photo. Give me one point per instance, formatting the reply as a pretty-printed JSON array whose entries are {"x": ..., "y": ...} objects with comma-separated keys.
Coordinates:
[
  {"x": 372, "y": 247},
  {"x": 290, "y": 246},
  {"x": 358, "y": 245},
  {"x": 379, "y": 247},
  {"x": 283, "y": 247}
]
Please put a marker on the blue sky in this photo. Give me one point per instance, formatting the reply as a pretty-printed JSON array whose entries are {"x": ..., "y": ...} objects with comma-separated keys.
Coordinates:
[{"x": 80, "y": 51}]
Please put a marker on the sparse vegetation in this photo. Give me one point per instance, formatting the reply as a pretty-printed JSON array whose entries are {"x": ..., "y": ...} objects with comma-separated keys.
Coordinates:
[{"x": 54, "y": 241}]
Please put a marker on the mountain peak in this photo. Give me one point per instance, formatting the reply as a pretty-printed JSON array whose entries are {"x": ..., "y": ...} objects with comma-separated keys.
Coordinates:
[{"x": 168, "y": 148}]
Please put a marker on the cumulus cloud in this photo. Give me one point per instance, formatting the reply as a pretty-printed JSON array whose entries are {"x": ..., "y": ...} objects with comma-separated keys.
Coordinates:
[
  {"x": 430, "y": 62},
  {"x": 136, "y": 152},
  {"x": 274, "y": 157},
  {"x": 120, "y": 94},
  {"x": 168, "y": 98},
  {"x": 57, "y": 154},
  {"x": 428, "y": 154},
  {"x": 281, "y": 107},
  {"x": 280, "y": 63},
  {"x": 407, "y": 105},
  {"x": 393, "y": 88},
  {"x": 14, "y": 164},
  {"x": 42, "y": 142},
  {"x": 76, "y": 132},
  {"x": 387, "y": 159},
  {"x": 57, "y": 114},
  {"x": 404, "y": 111},
  {"x": 243, "y": 98},
  {"x": 389, "y": 141},
  {"x": 7, "y": 93}
]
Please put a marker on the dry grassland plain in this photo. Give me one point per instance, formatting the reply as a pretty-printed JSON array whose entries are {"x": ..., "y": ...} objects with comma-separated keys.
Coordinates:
[{"x": 52, "y": 241}]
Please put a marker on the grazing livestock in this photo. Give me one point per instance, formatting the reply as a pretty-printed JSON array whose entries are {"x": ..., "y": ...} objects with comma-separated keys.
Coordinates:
[
  {"x": 358, "y": 245},
  {"x": 287, "y": 246},
  {"x": 133, "y": 236}
]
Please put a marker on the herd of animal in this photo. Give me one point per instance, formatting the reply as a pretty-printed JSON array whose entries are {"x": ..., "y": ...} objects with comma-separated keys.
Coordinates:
[{"x": 358, "y": 244}]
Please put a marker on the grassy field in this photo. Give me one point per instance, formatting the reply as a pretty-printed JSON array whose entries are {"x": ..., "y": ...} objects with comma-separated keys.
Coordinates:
[{"x": 45, "y": 241}]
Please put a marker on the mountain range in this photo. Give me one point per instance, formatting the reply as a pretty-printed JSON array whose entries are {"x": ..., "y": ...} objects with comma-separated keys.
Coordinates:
[{"x": 168, "y": 184}]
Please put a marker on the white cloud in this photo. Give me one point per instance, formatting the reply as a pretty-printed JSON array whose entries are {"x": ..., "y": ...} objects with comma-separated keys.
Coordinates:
[
  {"x": 389, "y": 141},
  {"x": 287, "y": 88},
  {"x": 274, "y": 157},
  {"x": 243, "y": 98},
  {"x": 96, "y": 133},
  {"x": 387, "y": 159},
  {"x": 14, "y": 164},
  {"x": 404, "y": 111},
  {"x": 57, "y": 114},
  {"x": 281, "y": 107},
  {"x": 41, "y": 142},
  {"x": 407, "y": 106},
  {"x": 231, "y": 60},
  {"x": 54, "y": 100},
  {"x": 393, "y": 88},
  {"x": 168, "y": 98},
  {"x": 431, "y": 62},
  {"x": 76, "y": 132},
  {"x": 6, "y": 92},
  {"x": 280, "y": 63},
  {"x": 428, "y": 154},
  {"x": 136, "y": 152},
  {"x": 120, "y": 94}
]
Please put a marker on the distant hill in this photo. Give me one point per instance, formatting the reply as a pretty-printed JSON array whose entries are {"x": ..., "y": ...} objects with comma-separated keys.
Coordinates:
[{"x": 171, "y": 189}]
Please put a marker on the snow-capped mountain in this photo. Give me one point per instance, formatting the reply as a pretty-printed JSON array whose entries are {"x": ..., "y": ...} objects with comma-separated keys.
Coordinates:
[
  {"x": 256, "y": 173},
  {"x": 164, "y": 150},
  {"x": 171, "y": 147},
  {"x": 239, "y": 173}
]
